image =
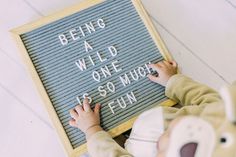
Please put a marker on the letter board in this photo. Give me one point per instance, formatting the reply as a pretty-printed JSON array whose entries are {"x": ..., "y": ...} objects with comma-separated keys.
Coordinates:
[{"x": 97, "y": 49}]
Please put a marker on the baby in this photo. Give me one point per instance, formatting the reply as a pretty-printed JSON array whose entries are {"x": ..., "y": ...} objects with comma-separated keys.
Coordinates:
[{"x": 149, "y": 136}]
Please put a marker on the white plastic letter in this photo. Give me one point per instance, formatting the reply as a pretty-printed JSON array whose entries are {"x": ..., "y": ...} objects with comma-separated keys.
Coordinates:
[
  {"x": 148, "y": 69},
  {"x": 74, "y": 34},
  {"x": 125, "y": 80},
  {"x": 87, "y": 46},
  {"x": 136, "y": 77},
  {"x": 102, "y": 91},
  {"x": 81, "y": 30},
  {"x": 78, "y": 99},
  {"x": 141, "y": 71},
  {"x": 96, "y": 76},
  {"x": 100, "y": 57},
  {"x": 111, "y": 107},
  {"x": 106, "y": 72},
  {"x": 90, "y": 27},
  {"x": 124, "y": 105},
  {"x": 101, "y": 23},
  {"x": 112, "y": 50},
  {"x": 116, "y": 67},
  {"x": 111, "y": 87},
  {"x": 91, "y": 60},
  {"x": 81, "y": 64},
  {"x": 131, "y": 97},
  {"x": 86, "y": 95},
  {"x": 63, "y": 39}
]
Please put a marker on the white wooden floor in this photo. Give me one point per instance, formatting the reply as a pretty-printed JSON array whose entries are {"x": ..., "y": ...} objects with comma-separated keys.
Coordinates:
[{"x": 200, "y": 34}]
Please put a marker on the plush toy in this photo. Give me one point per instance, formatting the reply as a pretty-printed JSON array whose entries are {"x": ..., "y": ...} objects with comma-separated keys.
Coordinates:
[{"x": 195, "y": 137}]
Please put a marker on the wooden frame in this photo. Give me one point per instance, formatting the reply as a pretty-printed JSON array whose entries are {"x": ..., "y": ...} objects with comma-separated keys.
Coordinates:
[{"x": 46, "y": 20}]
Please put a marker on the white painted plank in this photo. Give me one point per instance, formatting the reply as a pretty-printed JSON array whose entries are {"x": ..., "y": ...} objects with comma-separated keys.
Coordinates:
[
  {"x": 13, "y": 13},
  {"x": 188, "y": 63},
  {"x": 52, "y": 6},
  {"x": 16, "y": 80},
  {"x": 205, "y": 26},
  {"x": 23, "y": 134},
  {"x": 232, "y": 3}
]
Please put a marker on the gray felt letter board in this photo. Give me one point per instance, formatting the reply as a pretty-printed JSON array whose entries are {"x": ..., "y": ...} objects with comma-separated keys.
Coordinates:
[{"x": 100, "y": 50}]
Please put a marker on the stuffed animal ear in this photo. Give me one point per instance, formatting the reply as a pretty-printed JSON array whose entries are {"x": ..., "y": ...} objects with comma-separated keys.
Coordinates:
[{"x": 228, "y": 94}]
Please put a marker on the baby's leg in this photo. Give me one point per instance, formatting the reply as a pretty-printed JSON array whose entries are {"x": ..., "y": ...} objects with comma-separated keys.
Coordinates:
[{"x": 145, "y": 133}]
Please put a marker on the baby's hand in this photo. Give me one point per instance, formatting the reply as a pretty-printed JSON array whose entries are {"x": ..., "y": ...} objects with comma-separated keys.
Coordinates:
[
  {"x": 165, "y": 70},
  {"x": 84, "y": 118}
]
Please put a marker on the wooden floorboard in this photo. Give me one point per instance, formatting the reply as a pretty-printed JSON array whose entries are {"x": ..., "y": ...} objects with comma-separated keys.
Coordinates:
[
  {"x": 24, "y": 134},
  {"x": 185, "y": 58},
  {"x": 206, "y": 26}
]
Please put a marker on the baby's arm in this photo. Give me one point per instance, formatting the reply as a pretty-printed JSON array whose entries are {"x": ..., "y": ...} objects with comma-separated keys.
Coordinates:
[
  {"x": 181, "y": 88},
  {"x": 99, "y": 142}
]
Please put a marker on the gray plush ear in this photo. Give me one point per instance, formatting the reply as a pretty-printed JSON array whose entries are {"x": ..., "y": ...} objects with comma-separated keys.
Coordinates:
[{"x": 228, "y": 94}]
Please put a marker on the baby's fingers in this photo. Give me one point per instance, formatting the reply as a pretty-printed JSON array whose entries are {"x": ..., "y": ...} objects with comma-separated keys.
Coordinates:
[
  {"x": 97, "y": 109},
  {"x": 86, "y": 105},
  {"x": 72, "y": 123},
  {"x": 173, "y": 63},
  {"x": 153, "y": 78},
  {"x": 157, "y": 67},
  {"x": 73, "y": 114},
  {"x": 79, "y": 109}
]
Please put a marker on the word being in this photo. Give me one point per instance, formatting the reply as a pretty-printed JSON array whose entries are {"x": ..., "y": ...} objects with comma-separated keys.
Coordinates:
[
  {"x": 135, "y": 75},
  {"x": 81, "y": 31},
  {"x": 121, "y": 103},
  {"x": 83, "y": 63}
]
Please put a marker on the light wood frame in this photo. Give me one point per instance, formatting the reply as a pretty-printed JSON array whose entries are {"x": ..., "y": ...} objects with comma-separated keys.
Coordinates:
[{"x": 49, "y": 106}]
